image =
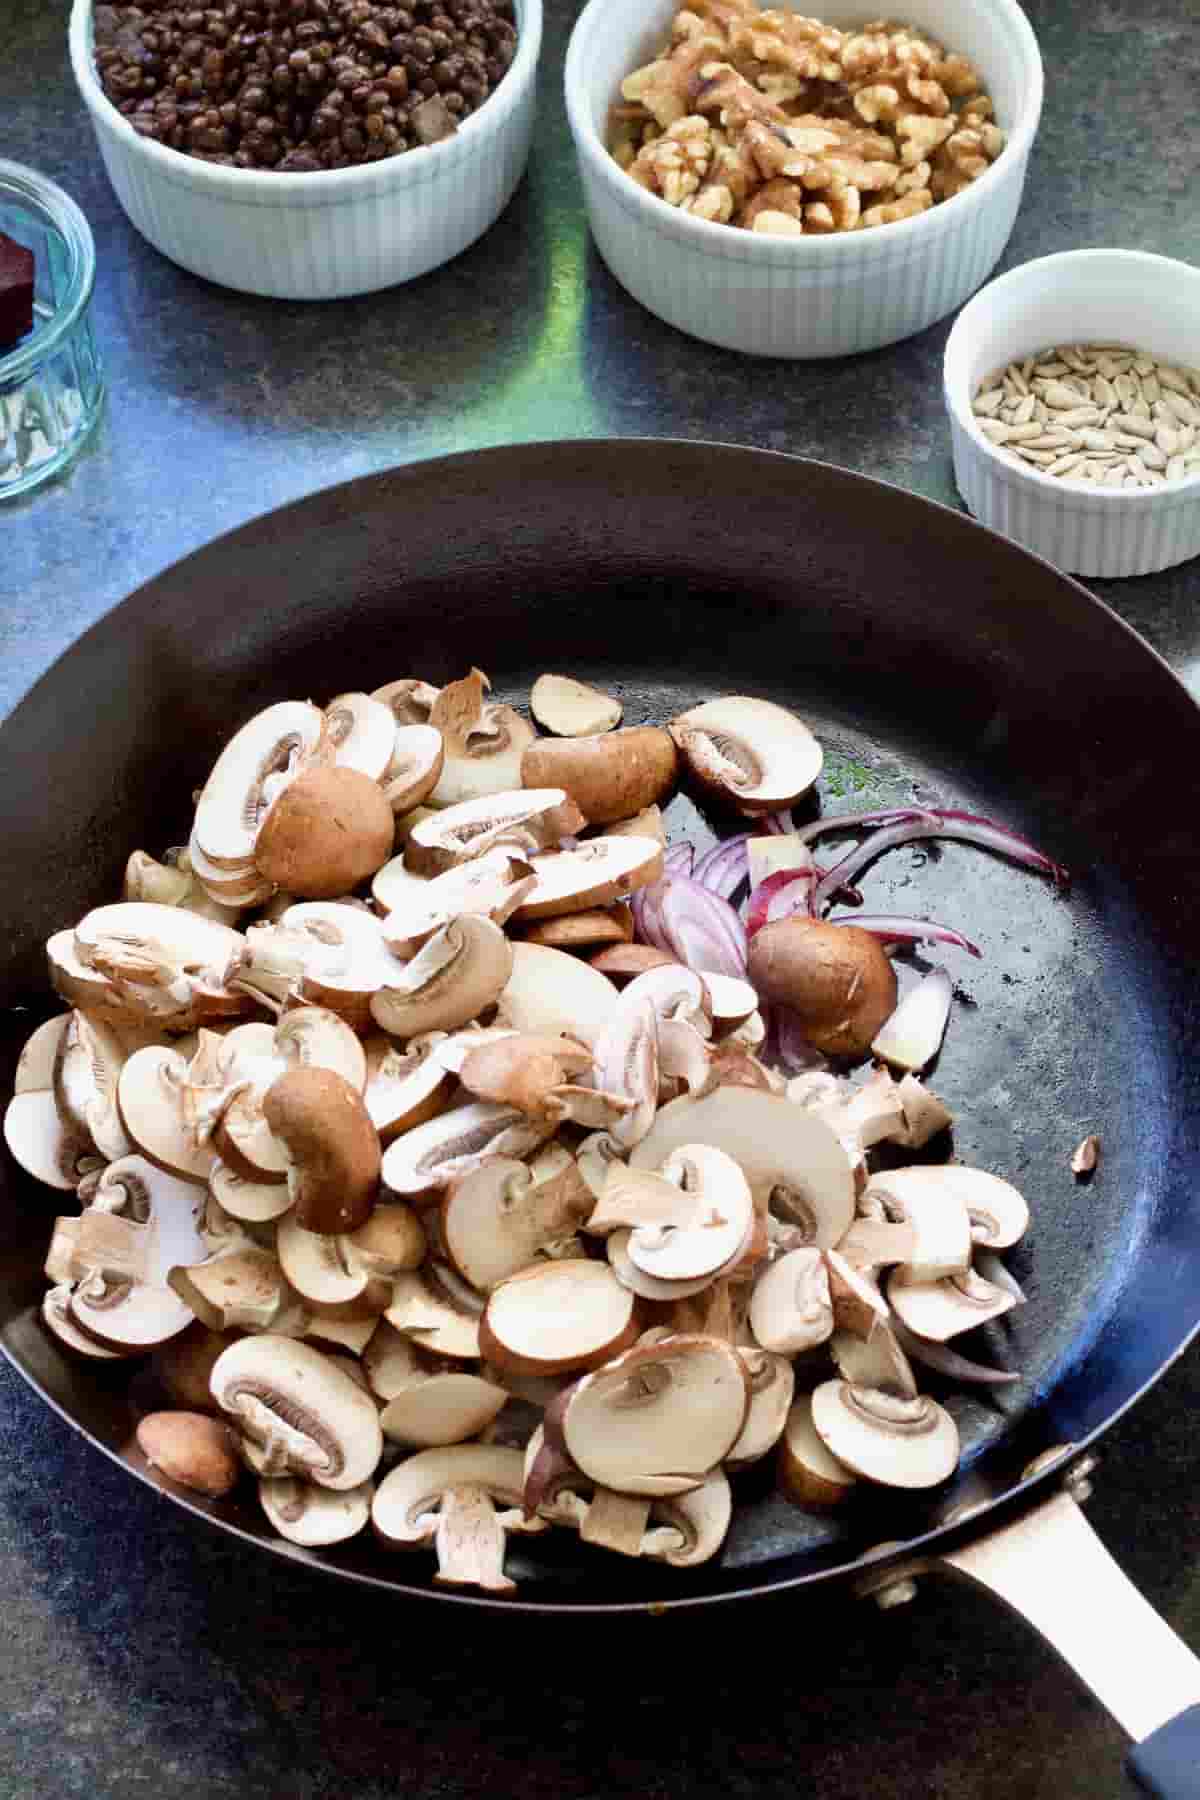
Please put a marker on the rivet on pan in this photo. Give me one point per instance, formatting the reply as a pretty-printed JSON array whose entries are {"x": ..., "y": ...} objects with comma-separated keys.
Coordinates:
[
  {"x": 1077, "y": 1483},
  {"x": 888, "y": 1587},
  {"x": 1045, "y": 1461}
]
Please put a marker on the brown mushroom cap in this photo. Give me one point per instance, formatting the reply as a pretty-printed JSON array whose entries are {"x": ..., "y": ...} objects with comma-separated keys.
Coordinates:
[
  {"x": 609, "y": 776},
  {"x": 329, "y": 829},
  {"x": 333, "y": 1146},
  {"x": 192, "y": 1449},
  {"x": 808, "y": 1471},
  {"x": 835, "y": 978}
]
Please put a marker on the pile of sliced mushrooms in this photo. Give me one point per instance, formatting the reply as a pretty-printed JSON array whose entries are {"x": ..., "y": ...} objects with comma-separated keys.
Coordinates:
[{"x": 466, "y": 1163}]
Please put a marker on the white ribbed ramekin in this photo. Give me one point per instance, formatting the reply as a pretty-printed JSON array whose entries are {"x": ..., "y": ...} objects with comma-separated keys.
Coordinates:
[
  {"x": 1098, "y": 296},
  {"x": 335, "y": 232},
  {"x": 811, "y": 296}
]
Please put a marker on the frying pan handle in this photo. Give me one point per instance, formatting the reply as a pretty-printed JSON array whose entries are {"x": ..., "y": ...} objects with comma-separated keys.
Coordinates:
[{"x": 1052, "y": 1569}]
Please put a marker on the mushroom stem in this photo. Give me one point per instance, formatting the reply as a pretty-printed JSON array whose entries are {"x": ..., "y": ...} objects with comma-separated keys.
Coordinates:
[{"x": 470, "y": 1542}]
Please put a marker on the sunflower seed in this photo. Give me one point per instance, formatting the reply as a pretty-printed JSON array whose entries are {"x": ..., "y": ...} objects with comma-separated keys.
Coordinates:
[
  {"x": 1133, "y": 425},
  {"x": 1183, "y": 408}
]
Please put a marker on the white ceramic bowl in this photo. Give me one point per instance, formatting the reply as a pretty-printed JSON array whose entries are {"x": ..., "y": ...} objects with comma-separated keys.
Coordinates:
[
  {"x": 811, "y": 296},
  {"x": 1099, "y": 296},
  {"x": 335, "y": 232}
]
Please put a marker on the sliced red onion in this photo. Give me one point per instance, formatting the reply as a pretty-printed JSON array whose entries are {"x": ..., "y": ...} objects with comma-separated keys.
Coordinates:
[
  {"x": 793, "y": 1052},
  {"x": 995, "y": 1270},
  {"x": 929, "y": 822},
  {"x": 895, "y": 929},
  {"x": 648, "y": 921},
  {"x": 723, "y": 869},
  {"x": 701, "y": 929},
  {"x": 913, "y": 1035},
  {"x": 948, "y": 1362},
  {"x": 909, "y": 829},
  {"x": 780, "y": 895},
  {"x": 973, "y": 828},
  {"x": 678, "y": 859},
  {"x": 892, "y": 815}
]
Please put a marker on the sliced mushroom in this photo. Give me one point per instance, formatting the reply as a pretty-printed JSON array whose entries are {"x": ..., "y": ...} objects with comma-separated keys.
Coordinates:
[
  {"x": 319, "y": 1270},
  {"x": 623, "y": 963},
  {"x": 790, "y": 1307},
  {"x": 328, "y": 830},
  {"x": 557, "y": 1316},
  {"x": 36, "y": 1065},
  {"x": 314, "y": 1516},
  {"x": 155, "y": 964},
  {"x": 313, "y": 1037},
  {"x": 191, "y": 1449},
  {"x": 461, "y": 970},
  {"x": 941, "y": 1309},
  {"x": 172, "y": 883},
  {"x": 126, "y": 1252},
  {"x": 697, "y": 1524},
  {"x": 647, "y": 823},
  {"x": 361, "y": 733},
  {"x": 836, "y": 979},
  {"x": 391, "y": 1242},
  {"x": 242, "y": 1289},
  {"x": 858, "y": 1305},
  {"x": 649, "y": 1287},
  {"x": 551, "y": 992},
  {"x": 391, "y": 1361},
  {"x": 924, "y": 1114},
  {"x": 87, "y": 1068},
  {"x": 56, "y": 1316},
  {"x": 493, "y": 885},
  {"x": 337, "y": 1334},
  {"x": 333, "y": 1174},
  {"x": 252, "y": 770},
  {"x": 429, "y": 1318},
  {"x": 571, "y": 708},
  {"x": 525, "y": 1071},
  {"x": 752, "y": 753},
  {"x": 253, "y": 1202},
  {"x": 808, "y": 1471},
  {"x": 659, "y": 1418},
  {"x": 185, "y": 1365},
  {"x": 468, "y": 1480},
  {"x": 714, "y": 1213},
  {"x": 404, "y": 1087},
  {"x": 483, "y": 742},
  {"x": 615, "y": 1521},
  {"x": 912, "y": 1035},
  {"x": 296, "y": 1404},
  {"x": 730, "y": 1001},
  {"x": 792, "y": 1162},
  {"x": 627, "y": 1063},
  {"x": 429, "y": 1157},
  {"x": 438, "y": 1409},
  {"x": 609, "y": 776},
  {"x": 418, "y": 758},
  {"x": 772, "y": 1385},
  {"x": 323, "y": 951},
  {"x": 596, "y": 873},
  {"x": 35, "y": 1134},
  {"x": 876, "y": 1361},
  {"x": 872, "y": 1244},
  {"x": 127, "y": 1315},
  {"x": 496, "y": 1219},
  {"x": 999, "y": 1215},
  {"x": 410, "y": 701},
  {"x": 900, "y": 1443},
  {"x": 521, "y": 819},
  {"x": 931, "y": 1201}
]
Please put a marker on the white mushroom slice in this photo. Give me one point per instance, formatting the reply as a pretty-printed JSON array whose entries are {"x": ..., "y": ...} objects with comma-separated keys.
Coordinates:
[
  {"x": 227, "y": 888},
  {"x": 924, "y": 1114},
  {"x": 571, "y": 708},
  {"x": 646, "y": 823},
  {"x": 627, "y": 1063},
  {"x": 659, "y": 1418},
  {"x": 594, "y": 1158},
  {"x": 56, "y": 1316},
  {"x": 416, "y": 905},
  {"x": 150, "y": 1095},
  {"x": 650, "y": 1287},
  {"x": 751, "y": 752},
  {"x": 429, "y": 1318},
  {"x": 467, "y": 1482},
  {"x": 429, "y": 1157},
  {"x": 554, "y": 1488},
  {"x": 595, "y": 873},
  {"x": 817, "y": 1090},
  {"x": 523, "y": 819},
  {"x": 404, "y": 1087},
  {"x": 312, "y": 1037},
  {"x": 361, "y": 733},
  {"x": 557, "y": 1316},
  {"x": 326, "y": 951},
  {"x": 483, "y": 742},
  {"x": 900, "y": 1443},
  {"x": 496, "y": 1219},
  {"x": 697, "y": 1524},
  {"x": 418, "y": 757},
  {"x": 118, "y": 1246},
  {"x": 35, "y": 1134},
  {"x": 714, "y": 1214},
  {"x": 245, "y": 1140},
  {"x": 391, "y": 1361},
  {"x": 858, "y": 1305},
  {"x": 941, "y": 1309},
  {"x": 752, "y": 1033},
  {"x": 782, "y": 852},
  {"x": 913, "y": 1035},
  {"x": 410, "y": 701},
  {"x": 462, "y": 969},
  {"x": 60, "y": 1265},
  {"x": 254, "y": 1202},
  {"x": 877, "y": 1361},
  {"x": 552, "y": 992},
  {"x": 772, "y": 1385},
  {"x": 790, "y": 1307},
  {"x": 252, "y": 770},
  {"x": 450, "y": 1050},
  {"x": 677, "y": 994},
  {"x": 527, "y": 1072},
  {"x": 872, "y": 1244},
  {"x": 313, "y": 1516},
  {"x": 168, "y": 1209},
  {"x": 127, "y": 1315},
  {"x": 166, "y": 966},
  {"x": 928, "y": 1199},
  {"x": 221, "y": 1232},
  {"x": 319, "y": 1270},
  {"x": 793, "y": 1163},
  {"x": 35, "y": 1068},
  {"x": 87, "y": 1068},
  {"x": 243, "y": 1288},
  {"x": 441, "y": 1409},
  {"x": 173, "y": 883},
  {"x": 351, "y": 1335},
  {"x": 731, "y": 1002},
  {"x": 391, "y": 1241},
  {"x": 999, "y": 1214},
  {"x": 809, "y": 1473},
  {"x": 290, "y": 1398}
]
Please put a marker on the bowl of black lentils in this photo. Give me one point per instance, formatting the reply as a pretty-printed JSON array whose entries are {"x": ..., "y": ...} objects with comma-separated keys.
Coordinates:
[{"x": 310, "y": 149}]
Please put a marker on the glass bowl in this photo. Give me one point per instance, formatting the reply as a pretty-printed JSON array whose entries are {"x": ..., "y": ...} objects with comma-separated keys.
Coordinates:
[{"x": 51, "y": 385}]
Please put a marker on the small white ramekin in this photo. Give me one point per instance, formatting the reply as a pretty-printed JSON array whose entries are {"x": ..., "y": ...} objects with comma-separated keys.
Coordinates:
[
  {"x": 1081, "y": 296},
  {"x": 811, "y": 296},
  {"x": 333, "y": 233}
]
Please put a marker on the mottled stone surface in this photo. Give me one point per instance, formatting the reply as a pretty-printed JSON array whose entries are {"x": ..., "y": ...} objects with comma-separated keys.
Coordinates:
[{"x": 148, "y": 1655}]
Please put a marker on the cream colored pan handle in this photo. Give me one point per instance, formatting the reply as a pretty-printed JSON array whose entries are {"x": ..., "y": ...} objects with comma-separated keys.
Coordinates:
[{"x": 1052, "y": 1569}]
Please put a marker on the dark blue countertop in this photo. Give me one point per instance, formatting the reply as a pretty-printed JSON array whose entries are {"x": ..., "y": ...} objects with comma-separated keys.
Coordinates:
[{"x": 147, "y": 1655}]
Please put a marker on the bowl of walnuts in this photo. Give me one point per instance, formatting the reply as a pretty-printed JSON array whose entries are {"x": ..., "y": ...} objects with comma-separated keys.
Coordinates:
[
  {"x": 802, "y": 187},
  {"x": 310, "y": 149}
]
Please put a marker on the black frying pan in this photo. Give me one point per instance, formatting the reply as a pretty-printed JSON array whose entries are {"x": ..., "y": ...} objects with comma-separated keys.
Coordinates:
[{"x": 932, "y": 658}]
